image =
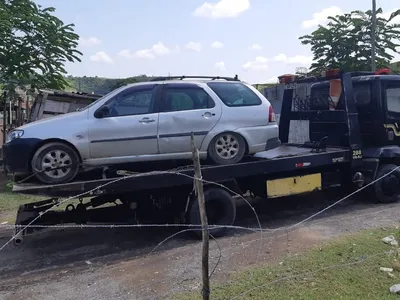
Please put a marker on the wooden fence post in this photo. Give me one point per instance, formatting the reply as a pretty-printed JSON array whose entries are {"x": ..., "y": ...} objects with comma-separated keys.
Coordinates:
[{"x": 203, "y": 217}]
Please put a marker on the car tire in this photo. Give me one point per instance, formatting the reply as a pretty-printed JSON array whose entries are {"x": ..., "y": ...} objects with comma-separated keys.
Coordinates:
[
  {"x": 227, "y": 148},
  {"x": 221, "y": 210},
  {"x": 53, "y": 156},
  {"x": 387, "y": 190}
]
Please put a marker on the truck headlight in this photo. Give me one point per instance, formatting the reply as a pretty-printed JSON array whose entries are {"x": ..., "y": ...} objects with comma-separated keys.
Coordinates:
[{"x": 15, "y": 134}]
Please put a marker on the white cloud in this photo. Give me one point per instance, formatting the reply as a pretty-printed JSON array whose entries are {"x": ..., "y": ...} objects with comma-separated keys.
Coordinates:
[
  {"x": 193, "y": 46},
  {"x": 220, "y": 66},
  {"x": 101, "y": 57},
  {"x": 125, "y": 53},
  {"x": 217, "y": 44},
  {"x": 89, "y": 42},
  {"x": 260, "y": 63},
  {"x": 297, "y": 59},
  {"x": 158, "y": 49},
  {"x": 255, "y": 47},
  {"x": 321, "y": 17},
  {"x": 222, "y": 9}
]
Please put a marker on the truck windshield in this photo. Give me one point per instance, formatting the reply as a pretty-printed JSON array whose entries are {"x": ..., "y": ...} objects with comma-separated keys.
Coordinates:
[
  {"x": 362, "y": 93},
  {"x": 393, "y": 99}
]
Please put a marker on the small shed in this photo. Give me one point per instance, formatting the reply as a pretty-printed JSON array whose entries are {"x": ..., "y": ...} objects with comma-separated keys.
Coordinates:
[{"x": 50, "y": 103}]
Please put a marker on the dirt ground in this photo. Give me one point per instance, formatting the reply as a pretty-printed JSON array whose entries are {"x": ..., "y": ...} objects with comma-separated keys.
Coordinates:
[{"x": 101, "y": 263}]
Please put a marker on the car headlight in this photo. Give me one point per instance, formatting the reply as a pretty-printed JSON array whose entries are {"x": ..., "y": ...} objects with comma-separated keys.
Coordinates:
[{"x": 15, "y": 134}]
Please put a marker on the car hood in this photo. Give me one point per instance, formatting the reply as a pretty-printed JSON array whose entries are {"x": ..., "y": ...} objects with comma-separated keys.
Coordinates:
[{"x": 69, "y": 117}]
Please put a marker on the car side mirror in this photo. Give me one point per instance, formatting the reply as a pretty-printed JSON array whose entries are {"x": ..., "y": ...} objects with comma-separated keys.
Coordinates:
[{"x": 102, "y": 112}]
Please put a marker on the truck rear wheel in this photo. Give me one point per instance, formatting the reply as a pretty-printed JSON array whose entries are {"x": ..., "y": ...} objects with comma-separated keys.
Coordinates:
[
  {"x": 220, "y": 207},
  {"x": 387, "y": 190}
]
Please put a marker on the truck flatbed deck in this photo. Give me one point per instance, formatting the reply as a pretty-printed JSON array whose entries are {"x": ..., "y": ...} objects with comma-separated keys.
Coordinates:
[
  {"x": 334, "y": 156},
  {"x": 284, "y": 158}
]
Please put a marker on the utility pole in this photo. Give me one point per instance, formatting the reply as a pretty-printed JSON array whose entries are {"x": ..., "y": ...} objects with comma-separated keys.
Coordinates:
[{"x": 373, "y": 37}]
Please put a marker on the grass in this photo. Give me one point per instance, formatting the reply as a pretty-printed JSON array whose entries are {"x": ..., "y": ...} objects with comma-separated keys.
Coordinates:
[
  {"x": 9, "y": 203},
  {"x": 346, "y": 269}
]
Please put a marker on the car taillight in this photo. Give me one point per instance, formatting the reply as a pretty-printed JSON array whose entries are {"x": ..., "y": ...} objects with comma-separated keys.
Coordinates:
[{"x": 272, "y": 117}]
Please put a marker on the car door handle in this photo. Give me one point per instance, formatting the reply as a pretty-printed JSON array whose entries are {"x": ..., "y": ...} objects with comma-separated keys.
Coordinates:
[
  {"x": 208, "y": 114},
  {"x": 146, "y": 120}
]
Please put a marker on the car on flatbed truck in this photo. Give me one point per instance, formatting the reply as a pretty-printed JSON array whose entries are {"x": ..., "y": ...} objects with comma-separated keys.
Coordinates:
[
  {"x": 340, "y": 153},
  {"x": 148, "y": 121}
]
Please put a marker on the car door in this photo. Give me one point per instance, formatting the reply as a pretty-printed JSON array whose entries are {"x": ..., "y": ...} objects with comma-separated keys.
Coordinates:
[
  {"x": 185, "y": 108},
  {"x": 130, "y": 128}
]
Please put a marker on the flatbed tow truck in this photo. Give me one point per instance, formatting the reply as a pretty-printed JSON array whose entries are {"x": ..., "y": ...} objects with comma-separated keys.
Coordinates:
[{"x": 350, "y": 145}]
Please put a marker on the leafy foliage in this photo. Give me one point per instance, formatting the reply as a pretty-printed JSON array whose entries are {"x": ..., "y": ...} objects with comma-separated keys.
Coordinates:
[
  {"x": 34, "y": 46},
  {"x": 345, "y": 42},
  {"x": 395, "y": 67}
]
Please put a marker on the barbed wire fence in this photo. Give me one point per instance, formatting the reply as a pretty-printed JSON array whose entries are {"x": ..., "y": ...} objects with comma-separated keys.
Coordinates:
[{"x": 188, "y": 227}]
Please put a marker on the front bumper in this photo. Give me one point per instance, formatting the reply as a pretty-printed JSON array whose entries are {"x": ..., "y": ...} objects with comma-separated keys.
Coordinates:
[{"x": 18, "y": 153}]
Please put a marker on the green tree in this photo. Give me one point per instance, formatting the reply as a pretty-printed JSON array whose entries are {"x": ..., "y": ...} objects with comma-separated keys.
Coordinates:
[
  {"x": 395, "y": 67},
  {"x": 345, "y": 42},
  {"x": 34, "y": 46}
]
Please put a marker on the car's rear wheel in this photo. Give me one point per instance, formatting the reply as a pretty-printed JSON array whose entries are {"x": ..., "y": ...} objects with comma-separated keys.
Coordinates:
[
  {"x": 227, "y": 148},
  {"x": 55, "y": 163}
]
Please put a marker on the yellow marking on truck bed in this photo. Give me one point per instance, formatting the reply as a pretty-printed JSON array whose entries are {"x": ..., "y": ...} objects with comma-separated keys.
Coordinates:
[{"x": 293, "y": 185}]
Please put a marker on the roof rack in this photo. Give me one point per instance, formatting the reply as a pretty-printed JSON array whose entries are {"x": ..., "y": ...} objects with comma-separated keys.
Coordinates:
[{"x": 236, "y": 78}]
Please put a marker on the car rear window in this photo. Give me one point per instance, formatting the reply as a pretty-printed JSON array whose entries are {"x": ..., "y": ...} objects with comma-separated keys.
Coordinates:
[{"x": 235, "y": 94}]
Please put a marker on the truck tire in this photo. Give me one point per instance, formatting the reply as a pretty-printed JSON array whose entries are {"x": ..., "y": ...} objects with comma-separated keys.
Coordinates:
[
  {"x": 387, "y": 190},
  {"x": 220, "y": 207}
]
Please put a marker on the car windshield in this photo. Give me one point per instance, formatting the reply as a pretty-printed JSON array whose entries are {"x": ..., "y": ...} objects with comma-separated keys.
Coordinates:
[{"x": 110, "y": 94}]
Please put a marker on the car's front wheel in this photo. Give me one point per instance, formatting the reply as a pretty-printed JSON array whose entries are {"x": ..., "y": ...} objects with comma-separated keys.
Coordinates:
[
  {"x": 55, "y": 163},
  {"x": 227, "y": 148}
]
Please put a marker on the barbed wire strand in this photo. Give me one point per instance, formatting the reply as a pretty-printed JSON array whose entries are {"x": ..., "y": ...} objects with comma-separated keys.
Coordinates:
[
  {"x": 187, "y": 225},
  {"x": 168, "y": 172},
  {"x": 282, "y": 235},
  {"x": 124, "y": 178},
  {"x": 219, "y": 257},
  {"x": 255, "y": 229}
]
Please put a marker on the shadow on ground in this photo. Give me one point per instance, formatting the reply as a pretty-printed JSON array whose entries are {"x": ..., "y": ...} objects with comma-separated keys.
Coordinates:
[{"x": 60, "y": 247}]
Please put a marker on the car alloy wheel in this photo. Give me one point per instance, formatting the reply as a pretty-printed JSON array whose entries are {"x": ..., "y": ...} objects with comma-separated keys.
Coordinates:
[
  {"x": 227, "y": 146},
  {"x": 58, "y": 162}
]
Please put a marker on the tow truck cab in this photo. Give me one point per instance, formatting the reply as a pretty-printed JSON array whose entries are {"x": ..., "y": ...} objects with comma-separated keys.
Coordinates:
[{"x": 377, "y": 99}]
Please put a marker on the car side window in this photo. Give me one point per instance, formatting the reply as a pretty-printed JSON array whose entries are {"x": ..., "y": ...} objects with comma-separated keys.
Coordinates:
[
  {"x": 235, "y": 94},
  {"x": 180, "y": 98},
  {"x": 133, "y": 101},
  {"x": 393, "y": 98}
]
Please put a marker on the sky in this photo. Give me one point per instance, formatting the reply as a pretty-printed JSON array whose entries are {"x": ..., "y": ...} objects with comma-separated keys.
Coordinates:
[{"x": 256, "y": 39}]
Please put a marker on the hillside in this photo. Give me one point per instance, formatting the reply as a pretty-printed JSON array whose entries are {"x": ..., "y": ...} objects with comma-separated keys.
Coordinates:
[{"x": 100, "y": 85}]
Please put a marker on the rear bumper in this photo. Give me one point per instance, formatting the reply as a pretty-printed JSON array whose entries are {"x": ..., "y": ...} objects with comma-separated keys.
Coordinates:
[
  {"x": 261, "y": 138},
  {"x": 17, "y": 155},
  {"x": 272, "y": 143}
]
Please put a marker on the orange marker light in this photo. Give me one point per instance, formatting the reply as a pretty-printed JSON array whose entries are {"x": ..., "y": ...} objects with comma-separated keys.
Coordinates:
[{"x": 335, "y": 90}]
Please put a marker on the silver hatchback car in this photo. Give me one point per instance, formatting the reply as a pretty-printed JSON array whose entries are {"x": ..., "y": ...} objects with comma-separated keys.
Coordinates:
[{"x": 147, "y": 121}]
